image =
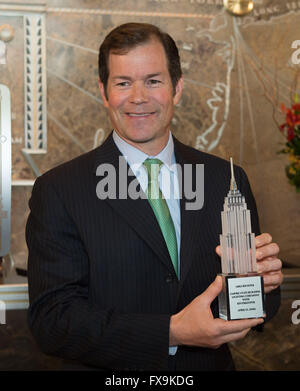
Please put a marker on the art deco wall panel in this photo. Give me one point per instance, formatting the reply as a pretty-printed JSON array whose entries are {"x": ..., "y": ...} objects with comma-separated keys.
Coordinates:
[
  {"x": 5, "y": 169},
  {"x": 237, "y": 72},
  {"x": 35, "y": 84}
]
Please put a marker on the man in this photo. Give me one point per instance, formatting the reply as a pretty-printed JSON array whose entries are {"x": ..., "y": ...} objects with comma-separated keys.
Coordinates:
[{"x": 106, "y": 286}]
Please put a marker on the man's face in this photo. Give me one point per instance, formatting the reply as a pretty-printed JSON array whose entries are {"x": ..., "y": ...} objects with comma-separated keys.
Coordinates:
[{"x": 140, "y": 98}]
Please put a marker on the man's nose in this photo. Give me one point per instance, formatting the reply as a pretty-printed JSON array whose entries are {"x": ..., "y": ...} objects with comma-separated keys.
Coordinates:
[{"x": 138, "y": 93}]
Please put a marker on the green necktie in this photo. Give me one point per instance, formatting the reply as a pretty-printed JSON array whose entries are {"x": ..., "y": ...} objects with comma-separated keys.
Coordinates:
[{"x": 160, "y": 209}]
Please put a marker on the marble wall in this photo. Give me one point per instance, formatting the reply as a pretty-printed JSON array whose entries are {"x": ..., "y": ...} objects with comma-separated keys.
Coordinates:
[{"x": 237, "y": 72}]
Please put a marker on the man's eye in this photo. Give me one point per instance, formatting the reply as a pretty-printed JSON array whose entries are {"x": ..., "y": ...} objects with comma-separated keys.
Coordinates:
[
  {"x": 123, "y": 84},
  {"x": 153, "y": 82}
]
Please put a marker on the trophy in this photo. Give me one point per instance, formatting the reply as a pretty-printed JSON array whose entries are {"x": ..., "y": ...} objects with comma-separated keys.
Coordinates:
[{"x": 242, "y": 295}]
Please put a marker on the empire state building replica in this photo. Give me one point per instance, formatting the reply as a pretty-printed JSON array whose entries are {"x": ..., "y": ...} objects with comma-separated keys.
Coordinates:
[{"x": 243, "y": 288}]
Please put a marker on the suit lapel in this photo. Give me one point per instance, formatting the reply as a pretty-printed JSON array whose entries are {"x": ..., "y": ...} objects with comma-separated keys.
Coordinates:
[
  {"x": 137, "y": 212},
  {"x": 190, "y": 219}
]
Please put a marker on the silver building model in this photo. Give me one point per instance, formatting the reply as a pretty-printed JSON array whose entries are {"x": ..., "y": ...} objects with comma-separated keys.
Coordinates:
[
  {"x": 242, "y": 295},
  {"x": 237, "y": 241}
]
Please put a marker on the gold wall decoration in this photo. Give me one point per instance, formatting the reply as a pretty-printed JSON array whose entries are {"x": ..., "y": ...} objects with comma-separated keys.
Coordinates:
[
  {"x": 6, "y": 33},
  {"x": 239, "y": 7}
]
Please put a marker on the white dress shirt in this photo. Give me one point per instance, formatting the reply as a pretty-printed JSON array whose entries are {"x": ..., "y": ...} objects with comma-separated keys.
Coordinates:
[{"x": 167, "y": 179}]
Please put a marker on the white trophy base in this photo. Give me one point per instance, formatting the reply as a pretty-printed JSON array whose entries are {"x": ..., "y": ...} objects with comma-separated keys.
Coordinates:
[{"x": 242, "y": 297}]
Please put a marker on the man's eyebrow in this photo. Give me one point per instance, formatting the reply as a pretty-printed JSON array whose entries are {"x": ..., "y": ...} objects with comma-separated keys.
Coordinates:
[
  {"x": 153, "y": 75},
  {"x": 149, "y": 76},
  {"x": 121, "y": 77}
]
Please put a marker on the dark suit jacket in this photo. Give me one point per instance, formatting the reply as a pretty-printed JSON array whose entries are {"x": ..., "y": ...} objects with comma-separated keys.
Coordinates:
[{"x": 101, "y": 282}]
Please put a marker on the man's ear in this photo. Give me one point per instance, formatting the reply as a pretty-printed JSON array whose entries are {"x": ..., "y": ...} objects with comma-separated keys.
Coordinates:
[
  {"x": 178, "y": 91},
  {"x": 102, "y": 92}
]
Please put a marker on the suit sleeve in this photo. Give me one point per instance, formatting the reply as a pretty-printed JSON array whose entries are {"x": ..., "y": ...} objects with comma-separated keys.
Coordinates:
[
  {"x": 273, "y": 298},
  {"x": 61, "y": 317}
]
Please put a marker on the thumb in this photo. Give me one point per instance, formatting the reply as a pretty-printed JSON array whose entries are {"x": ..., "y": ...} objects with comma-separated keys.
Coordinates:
[
  {"x": 213, "y": 290},
  {"x": 218, "y": 250}
]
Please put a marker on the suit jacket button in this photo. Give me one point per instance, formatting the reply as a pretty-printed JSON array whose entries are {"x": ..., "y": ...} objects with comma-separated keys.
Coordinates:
[{"x": 169, "y": 278}]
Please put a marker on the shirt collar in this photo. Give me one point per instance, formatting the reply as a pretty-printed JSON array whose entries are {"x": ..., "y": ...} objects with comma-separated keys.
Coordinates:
[{"x": 135, "y": 157}]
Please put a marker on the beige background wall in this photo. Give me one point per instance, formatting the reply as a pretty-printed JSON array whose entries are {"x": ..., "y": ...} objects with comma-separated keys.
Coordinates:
[{"x": 237, "y": 72}]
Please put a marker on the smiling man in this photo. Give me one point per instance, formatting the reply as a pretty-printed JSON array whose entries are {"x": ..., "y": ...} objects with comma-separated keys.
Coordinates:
[
  {"x": 139, "y": 96},
  {"x": 130, "y": 284}
]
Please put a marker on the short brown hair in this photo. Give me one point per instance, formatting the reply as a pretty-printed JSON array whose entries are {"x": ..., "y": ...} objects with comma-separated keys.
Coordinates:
[{"x": 129, "y": 35}]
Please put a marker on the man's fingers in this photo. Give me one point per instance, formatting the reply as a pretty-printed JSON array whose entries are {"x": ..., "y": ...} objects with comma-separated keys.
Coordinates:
[
  {"x": 273, "y": 279},
  {"x": 235, "y": 336},
  {"x": 238, "y": 326},
  {"x": 269, "y": 265},
  {"x": 269, "y": 250},
  {"x": 263, "y": 239},
  {"x": 233, "y": 330}
]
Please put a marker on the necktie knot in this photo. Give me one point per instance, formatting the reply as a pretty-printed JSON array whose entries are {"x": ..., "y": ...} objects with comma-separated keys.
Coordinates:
[{"x": 153, "y": 167}]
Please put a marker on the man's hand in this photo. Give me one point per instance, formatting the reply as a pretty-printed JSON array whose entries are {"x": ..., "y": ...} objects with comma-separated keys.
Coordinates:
[
  {"x": 195, "y": 325},
  {"x": 268, "y": 263}
]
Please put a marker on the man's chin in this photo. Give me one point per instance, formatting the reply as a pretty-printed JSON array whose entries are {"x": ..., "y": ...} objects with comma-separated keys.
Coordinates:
[
  {"x": 137, "y": 139},
  {"x": 149, "y": 144}
]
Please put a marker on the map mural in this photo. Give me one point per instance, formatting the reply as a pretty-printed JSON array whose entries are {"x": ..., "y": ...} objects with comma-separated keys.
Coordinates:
[{"x": 237, "y": 71}]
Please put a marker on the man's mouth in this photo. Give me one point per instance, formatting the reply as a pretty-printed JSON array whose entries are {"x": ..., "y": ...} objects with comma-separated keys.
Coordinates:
[{"x": 140, "y": 114}]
